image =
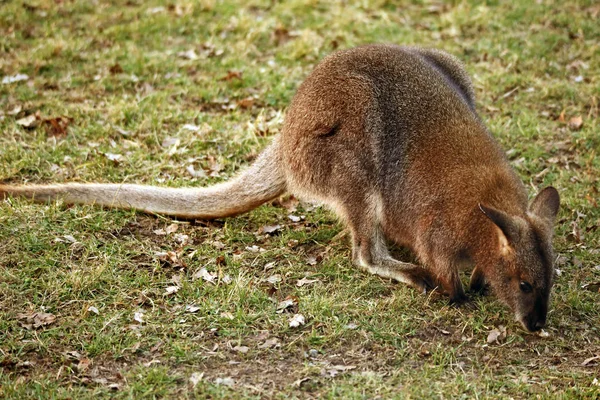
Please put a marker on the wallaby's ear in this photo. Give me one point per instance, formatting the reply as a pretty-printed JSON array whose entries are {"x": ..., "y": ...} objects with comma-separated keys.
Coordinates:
[
  {"x": 545, "y": 205},
  {"x": 503, "y": 221}
]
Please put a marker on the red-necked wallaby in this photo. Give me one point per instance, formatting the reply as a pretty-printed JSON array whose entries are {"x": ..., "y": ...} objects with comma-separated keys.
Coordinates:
[{"x": 388, "y": 136}]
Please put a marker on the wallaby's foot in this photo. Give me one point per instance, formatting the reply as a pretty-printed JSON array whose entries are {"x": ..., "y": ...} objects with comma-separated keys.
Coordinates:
[
  {"x": 410, "y": 274},
  {"x": 453, "y": 287},
  {"x": 371, "y": 254},
  {"x": 478, "y": 284}
]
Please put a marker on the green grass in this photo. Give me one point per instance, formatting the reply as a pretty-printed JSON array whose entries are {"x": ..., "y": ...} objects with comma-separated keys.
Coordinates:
[{"x": 534, "y": 66}]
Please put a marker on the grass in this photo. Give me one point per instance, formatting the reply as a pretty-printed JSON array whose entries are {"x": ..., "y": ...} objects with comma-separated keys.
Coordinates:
[{"x": 120, "y": 75}]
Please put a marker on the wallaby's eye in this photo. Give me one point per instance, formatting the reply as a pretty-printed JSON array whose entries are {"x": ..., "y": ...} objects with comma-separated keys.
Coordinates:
[{"x": 525, "y": 287}]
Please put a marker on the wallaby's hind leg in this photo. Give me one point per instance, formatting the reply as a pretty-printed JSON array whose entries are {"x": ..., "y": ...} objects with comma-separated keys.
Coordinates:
[{"x": 370, "y": 253}]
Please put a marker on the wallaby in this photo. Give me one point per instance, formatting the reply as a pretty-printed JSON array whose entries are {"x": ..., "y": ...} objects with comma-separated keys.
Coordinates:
[{"x": 388, "y": 136}]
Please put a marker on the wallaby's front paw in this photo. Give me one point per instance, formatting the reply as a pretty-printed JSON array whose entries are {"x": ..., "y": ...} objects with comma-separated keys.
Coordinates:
[
  {"x": 423, "y": 281},
  {"x": 480, "y": 288},
  {"x": 459, "y": 299}
]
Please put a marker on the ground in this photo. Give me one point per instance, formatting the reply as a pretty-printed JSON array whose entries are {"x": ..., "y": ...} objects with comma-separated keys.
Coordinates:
[{"x": 104, "y": 303}]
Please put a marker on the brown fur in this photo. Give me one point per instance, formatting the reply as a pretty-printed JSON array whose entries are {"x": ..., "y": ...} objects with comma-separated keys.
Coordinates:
[{"x": 388, "y": 137}]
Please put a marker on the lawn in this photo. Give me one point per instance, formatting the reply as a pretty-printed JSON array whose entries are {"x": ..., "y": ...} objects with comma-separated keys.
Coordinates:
[{"x": 98, "y": 303}]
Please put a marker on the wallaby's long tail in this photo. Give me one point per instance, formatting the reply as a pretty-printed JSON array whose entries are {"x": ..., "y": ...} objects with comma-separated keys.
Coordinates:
[{"x": 262, "y": 181}]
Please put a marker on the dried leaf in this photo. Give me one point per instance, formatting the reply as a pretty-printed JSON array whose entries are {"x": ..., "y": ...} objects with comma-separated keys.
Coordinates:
[
  {"x": 14, "y": 78},
  {"x": 36, "y": 320},
  {"x": 497, "y": 335},
  {"x": 115, "y": 69},
  {"x": 170, "y": 142},
  {"x": 232, "y": 75},
  {"x": 590, "y": 361},
  {"x": 191, "y": 308},
  {"x": 190, "y": 55},
  {"x": 83, "y": 364},
  {"x": 592, "y": 287},
  {"x": 297, "y": 320},
  {"x": 171, "y": 290},
  {"x": 294, "y": 218},
  {"x": 270, "y": 344},
  {"x": 575, "y": 123},
  {"x": 172, "y": 228},
  {"x": 289, "y": 302},
  {"x": 196, "y": 377},
  {"x": 241, "y": 349},
  {"x": 305, "y": 281},
  {"x": 268, "y": 229},
  {"x": 57, "y": 126},
  {"x": 205, "y": 275},
  {"x": 114, "y": 157},
  {"x": 139, "y": 317},
  {"x": 273, "y": 279},
  {"x": 30, "y": 121},
  {"x": 246, "y": 103},
  {"x": 195, "y": 173},
  {"x": 227, "y": 381}
]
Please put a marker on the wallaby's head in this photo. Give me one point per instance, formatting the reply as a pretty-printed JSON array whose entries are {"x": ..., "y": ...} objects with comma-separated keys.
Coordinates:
[{"x": 523, "y": 264}]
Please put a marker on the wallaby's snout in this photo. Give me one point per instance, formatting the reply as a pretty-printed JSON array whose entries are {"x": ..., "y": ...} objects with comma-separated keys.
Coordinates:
[{"x": 532, "y": 314}]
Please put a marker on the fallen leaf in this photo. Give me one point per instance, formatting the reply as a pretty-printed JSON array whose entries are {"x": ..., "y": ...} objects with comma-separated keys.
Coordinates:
[
  {"x": 191, "y": 308},
  {"x": 336, "y": 369},
  {"x": 497, "y": 335},
  {"x": 313, "y": 260},
  {"x": 287, "y": 303},
  {"x": 115, "y": 69},
  {"x": 14, "y": 78},
  {"x": 169, "y": 256},
  {"x": 246, "y": 103},
  {"x": 255, "y": 249},
  {"x": 543, "y": 334},
  {"x": 273, "y": 279},
  {"x": 205, "y": 275},
  {"x": 306, "y": 281},
  {"x": 30, "y": 121},
  {"x": 170, "y": 142},
  {"x": 114, "y": 157},
  {"x": 268, "y": 229},
  {"x": 270, "y": 344},
  {"x": 196, "y": 377},
  {"x": 139, "y": 317},
  {"x": 171, "y": 290},
  {"x": 297, "y": 320},
  {"x": 84, "y": 364},
  {"x": 227, "y": 381},
  {"x": 575, "y": 123},
  {"x": 232, "y": 75},
  {"x": 589, "y": 361},
  {"x": 181, "y": 238},
  {"x": 294, "y": 218},
  {"x": 57, "y": 126},
  {"x": 195, "y": 173},
  {"x": 592, "y": 287},
  {"x": 36, "y": 320},
  {"x": 190, "y": 55},
  {"x": 241, "y": 349},
  {"x": 227, "y": 315}
]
